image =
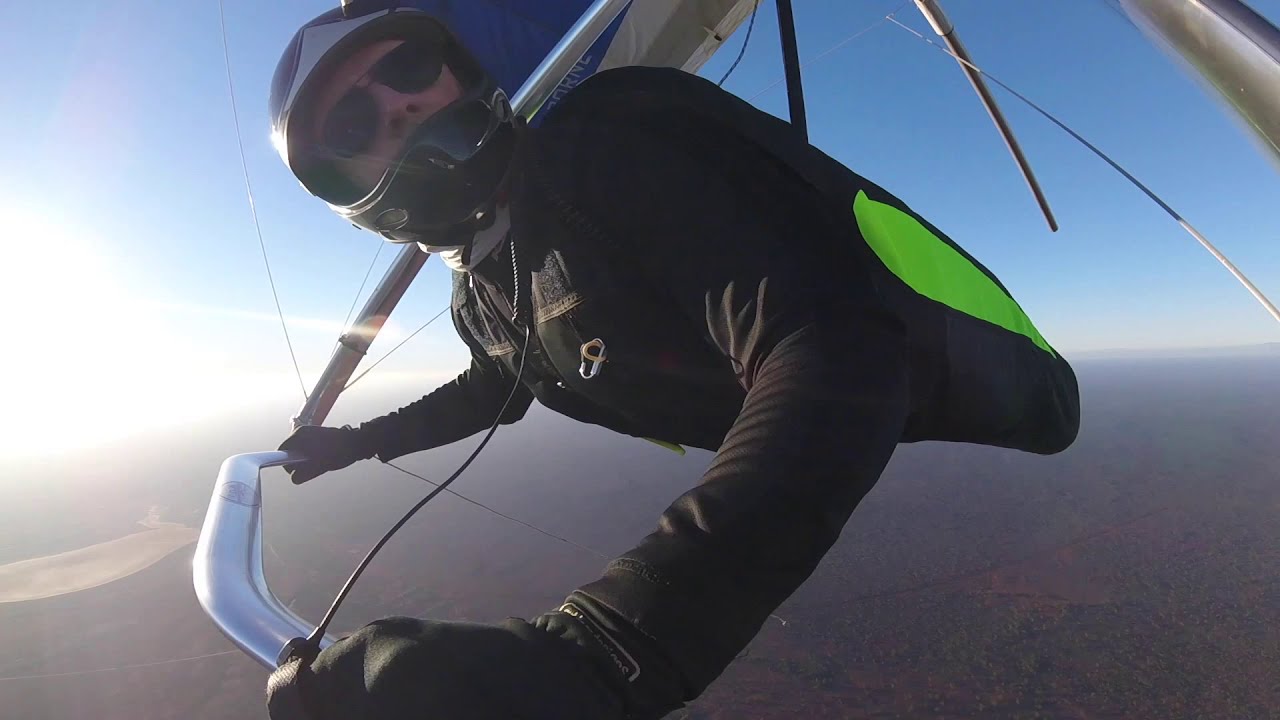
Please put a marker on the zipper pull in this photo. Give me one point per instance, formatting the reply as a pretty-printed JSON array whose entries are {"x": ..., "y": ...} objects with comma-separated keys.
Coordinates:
[{"x": 593, "y": 357}]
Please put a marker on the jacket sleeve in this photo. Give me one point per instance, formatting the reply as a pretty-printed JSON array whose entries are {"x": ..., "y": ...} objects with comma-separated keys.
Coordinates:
[
  {"x": 456, "y": 410},
  {"x": 826, "y": 400}
]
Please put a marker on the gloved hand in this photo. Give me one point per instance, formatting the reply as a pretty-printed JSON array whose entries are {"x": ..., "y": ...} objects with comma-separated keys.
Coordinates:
[
  {"x": 325, "y": 449},
  {"x": 562, "y": 666}
]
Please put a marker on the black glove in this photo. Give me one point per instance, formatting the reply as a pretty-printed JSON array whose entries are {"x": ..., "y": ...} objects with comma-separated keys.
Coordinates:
[
  {"x": 325, "y": 449},
  {"x": 562, "y": 666}
]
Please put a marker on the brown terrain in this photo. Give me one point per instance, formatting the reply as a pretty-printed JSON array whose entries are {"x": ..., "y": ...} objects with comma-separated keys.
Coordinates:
[{"x": 1136, "y": 575}]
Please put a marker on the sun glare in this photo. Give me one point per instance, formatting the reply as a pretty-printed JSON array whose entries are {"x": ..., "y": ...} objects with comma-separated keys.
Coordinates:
[
  {"x": 85, "y": 364},
  {"x": 95, "y": 355}
]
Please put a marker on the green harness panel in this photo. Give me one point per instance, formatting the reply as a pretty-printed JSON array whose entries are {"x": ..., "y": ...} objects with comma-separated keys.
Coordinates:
[
  {"x": 677, "y": 449},
  {"x": 934, "y": 269}
]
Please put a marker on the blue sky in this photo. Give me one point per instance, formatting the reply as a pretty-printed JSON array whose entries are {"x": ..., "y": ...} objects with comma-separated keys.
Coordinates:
[{"x": 124, "y": 195}]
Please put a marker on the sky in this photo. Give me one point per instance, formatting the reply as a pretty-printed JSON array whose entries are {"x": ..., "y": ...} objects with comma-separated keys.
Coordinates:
[{"x": 134, "y": 284}]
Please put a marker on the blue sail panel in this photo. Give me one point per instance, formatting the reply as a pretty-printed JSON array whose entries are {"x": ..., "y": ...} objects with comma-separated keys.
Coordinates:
[{"x": 511, "y": 37}]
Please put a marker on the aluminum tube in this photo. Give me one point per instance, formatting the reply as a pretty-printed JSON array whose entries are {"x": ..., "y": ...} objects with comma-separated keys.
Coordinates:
[
  {"x": 791, "y": 63},
  {"x": 556, "y": 65},
  {"x": 1233, "y": 49},
  {"x": 932, "y": 11},
  {"x": 353, "y": 345},
  {"x": 227, "y": 570}
]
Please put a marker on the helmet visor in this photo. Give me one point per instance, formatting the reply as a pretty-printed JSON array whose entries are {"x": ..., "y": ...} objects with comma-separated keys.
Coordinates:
[
  {"x": 351, "y": 125},
  {"x": 343, "y": 149}
]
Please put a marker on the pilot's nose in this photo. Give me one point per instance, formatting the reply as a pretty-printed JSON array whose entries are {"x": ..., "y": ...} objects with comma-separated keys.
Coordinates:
[{"x": 400, "y": 112}]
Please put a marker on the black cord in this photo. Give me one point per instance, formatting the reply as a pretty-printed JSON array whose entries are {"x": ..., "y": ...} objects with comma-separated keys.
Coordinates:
[
  {"x": 314, "y": 639},
  {"x": 743, "y": 50}
]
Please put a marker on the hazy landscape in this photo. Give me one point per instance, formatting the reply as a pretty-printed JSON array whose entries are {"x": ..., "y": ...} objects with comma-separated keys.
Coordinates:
[{"x": 1136, "y": 575}]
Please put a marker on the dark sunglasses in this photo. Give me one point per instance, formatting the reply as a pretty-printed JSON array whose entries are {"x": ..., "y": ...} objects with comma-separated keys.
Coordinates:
[{"x": 352, "y": 124}]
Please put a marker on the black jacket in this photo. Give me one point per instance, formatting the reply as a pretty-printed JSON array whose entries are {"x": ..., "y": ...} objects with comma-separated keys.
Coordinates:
[{"x": 744, "y": 310}]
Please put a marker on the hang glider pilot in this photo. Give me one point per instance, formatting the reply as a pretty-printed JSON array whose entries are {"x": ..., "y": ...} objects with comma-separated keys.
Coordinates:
[{"x": 661, "y": 259}]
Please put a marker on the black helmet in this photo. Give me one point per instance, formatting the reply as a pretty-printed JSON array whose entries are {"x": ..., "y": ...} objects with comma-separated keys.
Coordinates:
[{"x": 442, "y": 185}]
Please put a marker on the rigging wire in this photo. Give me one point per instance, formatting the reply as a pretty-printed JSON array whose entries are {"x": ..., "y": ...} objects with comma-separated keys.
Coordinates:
[
  {"x": 743, "y": 50},
  {"x": 833, "y": 48},
  {"x": 1231, "y": 268},
  {"x": 253, "y": 208},
  {"x": 355, "y": 300},
  {"x": 1111, "y": 4},
  {"x": 346, "y": 321},
  {"x": 314, "y": 639},
  {"x": 397, "y": 347},
  {"x": 118, "y": 667},
  {"x": 499, "y": 513},
  {"x": 456, "y": 494}
]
